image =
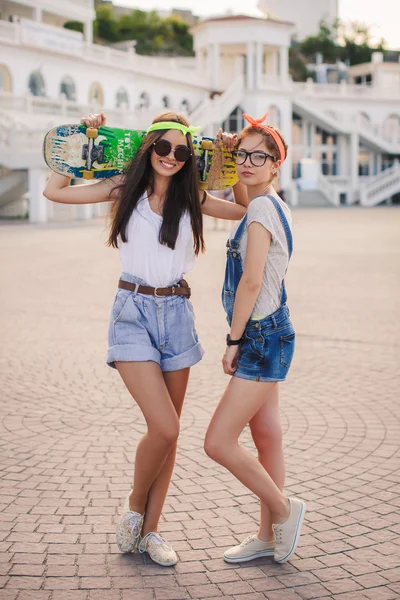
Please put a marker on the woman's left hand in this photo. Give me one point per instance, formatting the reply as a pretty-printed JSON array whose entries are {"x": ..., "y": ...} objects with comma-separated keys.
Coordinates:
[
  {"x": 228, "y": 139},
  {"x": 229, "y": 359}
]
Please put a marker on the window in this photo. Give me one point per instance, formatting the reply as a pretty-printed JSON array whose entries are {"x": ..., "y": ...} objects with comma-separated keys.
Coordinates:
[
  {"x": 391, "y": 128},
  {"x": 166, "y": 103},
  {"x": 5, "y": 79},
  {"x": 144, "y": 100},
  {"x": 67, "y": 87},
  {"x": 297, "y": 129},
  {"x": 122, "y": 99},
  {"x": 36, "y": 84},
  {"x": 235, "y": 122},
  {"x": 184, "y": 107},
  {"x": 96, "y": 95},
  {"x": 274, "y": 116}
]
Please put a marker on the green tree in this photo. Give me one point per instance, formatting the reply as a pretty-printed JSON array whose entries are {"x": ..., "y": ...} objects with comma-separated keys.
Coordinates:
[
  {"x": 324, "y": 43},
  {"x": 106, "y": 25}
]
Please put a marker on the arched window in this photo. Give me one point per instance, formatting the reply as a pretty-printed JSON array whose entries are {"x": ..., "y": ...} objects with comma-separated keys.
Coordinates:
[
  {"x": 166, "y": 103},
  {"x": 391, "y": 128},
  {"x": 96, "y": 95},
  {"x": 36, "y": 84},
  {"x": 235, "y": 122},
  {"x": 274, "y": 116},
  {"x": 67, "y": 87},
  {"x": 144, "y": 100},
  {"x": 5, "y": 79},
  {"x": 184, "y": 107},
  {"x": 122, "y": 98}
]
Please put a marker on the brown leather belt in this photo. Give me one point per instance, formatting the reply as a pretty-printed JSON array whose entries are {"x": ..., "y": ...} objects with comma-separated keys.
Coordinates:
[{"x": 182, "y": 289}]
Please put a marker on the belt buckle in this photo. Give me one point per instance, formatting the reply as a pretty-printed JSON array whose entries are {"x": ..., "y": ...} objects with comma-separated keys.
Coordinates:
[{"x": 157, "y": 295}]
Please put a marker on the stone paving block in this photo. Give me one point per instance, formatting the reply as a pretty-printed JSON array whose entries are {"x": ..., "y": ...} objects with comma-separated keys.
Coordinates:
[{"x": 69, "y": 437}]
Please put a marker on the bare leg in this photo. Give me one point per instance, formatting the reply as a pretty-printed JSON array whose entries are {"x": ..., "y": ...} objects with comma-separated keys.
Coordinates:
[
  {"x": 239, "y": 404},
  {"x": 266, "y": 431},
  {"x": 146, "y": 384},
  {"x": 176, "y": 382}
]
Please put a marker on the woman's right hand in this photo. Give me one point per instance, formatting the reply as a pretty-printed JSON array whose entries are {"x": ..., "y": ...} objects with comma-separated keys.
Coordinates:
[{"x": 94, "y": 121}]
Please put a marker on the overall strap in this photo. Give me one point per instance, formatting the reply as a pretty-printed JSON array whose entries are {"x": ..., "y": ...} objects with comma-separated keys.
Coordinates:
[
  {"x": 234, "y": 242},
  {"x": 285, "y": 224},
  {"x": 289, "y": 239}
]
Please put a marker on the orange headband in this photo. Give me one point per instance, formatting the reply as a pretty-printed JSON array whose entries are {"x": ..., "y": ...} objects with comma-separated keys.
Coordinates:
[{"x": 258, "y": 123}]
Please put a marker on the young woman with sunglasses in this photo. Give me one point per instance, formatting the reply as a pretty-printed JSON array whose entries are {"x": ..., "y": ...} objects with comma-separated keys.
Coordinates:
[
  {"x": 260, "y": 347},
  {"x": 158, "y": 228}
]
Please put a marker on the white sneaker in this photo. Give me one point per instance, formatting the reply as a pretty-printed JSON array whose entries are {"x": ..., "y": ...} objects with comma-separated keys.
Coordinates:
[
  {"x": 250, "y": 548},
  {"x": 129, "y": 528},
  {"x": 287, "y": 534},
  {"x": 159, "y": 550}
]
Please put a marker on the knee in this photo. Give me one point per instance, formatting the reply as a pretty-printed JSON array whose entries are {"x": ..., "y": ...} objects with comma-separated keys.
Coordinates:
[
  {"x": 167, "y": 435},
  {"x": 215, "y": 447}
]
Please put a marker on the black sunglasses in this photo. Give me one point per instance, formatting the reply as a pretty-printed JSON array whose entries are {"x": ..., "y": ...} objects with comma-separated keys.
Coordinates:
[
  {"x": 257, "y": 158},
  {"x": 163, "y": 148}
]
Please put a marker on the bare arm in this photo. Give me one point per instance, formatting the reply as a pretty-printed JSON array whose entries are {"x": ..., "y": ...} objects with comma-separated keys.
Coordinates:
[
  {"x": 223, "y": 209},
  {"x": 58, "y": 189},
  {"x": 258, "y": 245}
]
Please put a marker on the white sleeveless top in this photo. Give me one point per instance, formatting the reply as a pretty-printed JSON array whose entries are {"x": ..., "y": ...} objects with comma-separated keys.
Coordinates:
[{"x": 144, "y": 257}]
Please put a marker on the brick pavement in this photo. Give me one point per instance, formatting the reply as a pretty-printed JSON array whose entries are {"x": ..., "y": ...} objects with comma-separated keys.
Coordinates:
[{"x": 68, "y": 428}]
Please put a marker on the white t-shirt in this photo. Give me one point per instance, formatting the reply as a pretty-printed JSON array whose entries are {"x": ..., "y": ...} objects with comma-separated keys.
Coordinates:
[
  {"x": 143, "y": 256},
  {"x": 262, "y": 210}
]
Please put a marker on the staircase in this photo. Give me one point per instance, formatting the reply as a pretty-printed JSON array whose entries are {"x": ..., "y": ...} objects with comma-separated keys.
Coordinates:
[
  {"x": 380, "y": 188},
  {"x": 312, "y": 199},
  {"x": 220, "y": 107},
  {"x": 13, "y": 185}
]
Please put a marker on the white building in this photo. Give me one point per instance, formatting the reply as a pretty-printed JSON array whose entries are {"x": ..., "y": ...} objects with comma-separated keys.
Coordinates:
[{"x": 344, "y": 138}]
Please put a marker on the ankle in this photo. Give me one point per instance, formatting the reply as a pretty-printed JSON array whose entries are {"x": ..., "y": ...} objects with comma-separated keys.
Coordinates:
[
  {"x": 283, "y": 513},
  {"x": 135, "y": 505},
  {"x": 266, "y": 536}
]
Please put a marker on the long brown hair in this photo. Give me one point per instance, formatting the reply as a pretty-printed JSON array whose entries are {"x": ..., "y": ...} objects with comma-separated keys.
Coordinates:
[{"x": 182, "y": 193}]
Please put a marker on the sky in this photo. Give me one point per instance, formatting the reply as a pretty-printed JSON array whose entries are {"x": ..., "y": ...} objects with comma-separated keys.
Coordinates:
[{"x": 382, "y": 16}]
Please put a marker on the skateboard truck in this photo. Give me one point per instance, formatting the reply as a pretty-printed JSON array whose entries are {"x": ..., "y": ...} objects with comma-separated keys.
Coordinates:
[
  {"x": 202, "y": 162},
  {"x": 92, "y": 153}
]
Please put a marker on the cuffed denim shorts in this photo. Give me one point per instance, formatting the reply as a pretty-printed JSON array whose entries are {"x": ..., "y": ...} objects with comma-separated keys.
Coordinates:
[
  {"x": 267, "y": 349},
  {"x": 149, "y": 328}
]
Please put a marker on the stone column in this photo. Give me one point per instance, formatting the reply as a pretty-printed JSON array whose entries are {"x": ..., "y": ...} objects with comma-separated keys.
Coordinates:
[
  {"x": 88, "y": 32},
  {"x": 284, "y": 63},
  {"x": 343, "y": 155},
  {"x": 250, "y": 66},
  {"x": 259, "y": 64},
  {"x": 37, "y": 14},
  {"x": 286, "y": 127},
  {"x": 354, "y": 150},
  {"x": 38, "y": 204},
  {"x": 216, "y": 67}
]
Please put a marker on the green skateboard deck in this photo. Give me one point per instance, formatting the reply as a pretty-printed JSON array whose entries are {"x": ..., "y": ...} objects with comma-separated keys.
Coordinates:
[{"x": 78, "y": 151}]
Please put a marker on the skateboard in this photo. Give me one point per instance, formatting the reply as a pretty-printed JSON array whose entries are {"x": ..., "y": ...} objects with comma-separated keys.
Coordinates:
[{"x": 80, "y": 151}]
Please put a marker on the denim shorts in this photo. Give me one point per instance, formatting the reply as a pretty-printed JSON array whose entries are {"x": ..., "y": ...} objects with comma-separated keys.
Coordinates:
[
  {"x": 267, "y": 349},
  {"x": 149, "y": 328}
]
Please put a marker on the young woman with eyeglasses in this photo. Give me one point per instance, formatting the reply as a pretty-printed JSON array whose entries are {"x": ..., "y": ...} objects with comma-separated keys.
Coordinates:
[
  {"x": 158, "y": 228},
  {"x": 260, "y": 347}
]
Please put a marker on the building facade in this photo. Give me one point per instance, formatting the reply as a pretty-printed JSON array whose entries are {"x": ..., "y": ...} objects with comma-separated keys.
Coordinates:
[{"x": 344, "y": 138}]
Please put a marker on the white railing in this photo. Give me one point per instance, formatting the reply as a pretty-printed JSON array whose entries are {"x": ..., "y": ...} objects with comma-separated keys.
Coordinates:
[
  {"x": 381, "y": 187},
  {"x": 55, "y": 39},
  {"x": 329, "y": 190},
  {"x": 217, "y": 110},
  {"x": 318, "y": 90}
]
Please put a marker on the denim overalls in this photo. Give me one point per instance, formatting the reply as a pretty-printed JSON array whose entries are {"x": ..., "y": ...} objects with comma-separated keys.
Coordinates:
[{"x": 267, "y": 348}]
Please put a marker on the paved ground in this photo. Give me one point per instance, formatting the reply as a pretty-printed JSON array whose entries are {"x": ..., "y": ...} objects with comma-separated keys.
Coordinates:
[{"x": 68, "y": 428}]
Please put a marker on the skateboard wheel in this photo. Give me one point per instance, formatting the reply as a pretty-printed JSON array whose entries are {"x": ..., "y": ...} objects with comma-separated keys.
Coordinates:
[
  {"x": 87, "y": 174},
  {"x": 203, "y": 185},
  {"x": 207, "y": 145},
  {"x": 92, "y": 133}
]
